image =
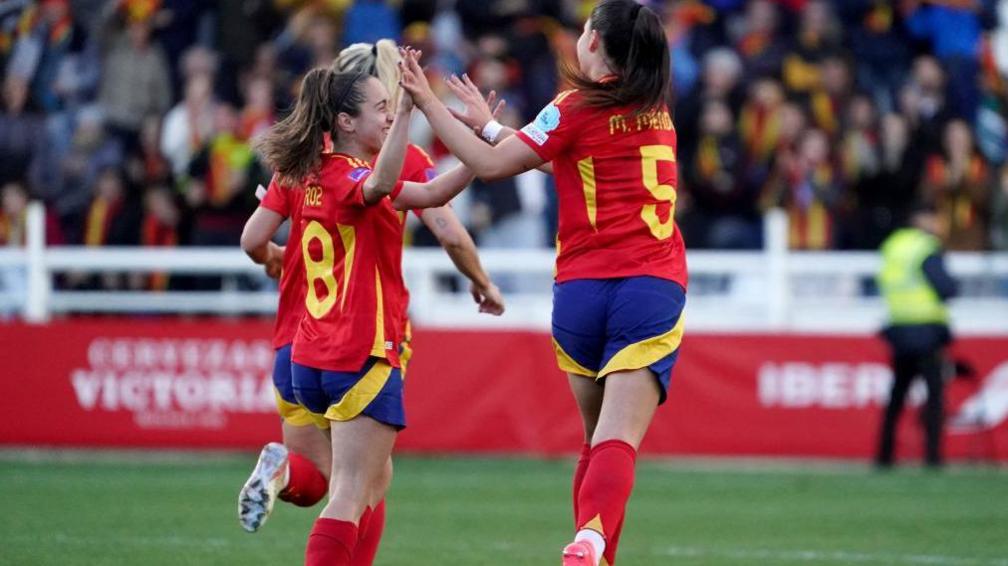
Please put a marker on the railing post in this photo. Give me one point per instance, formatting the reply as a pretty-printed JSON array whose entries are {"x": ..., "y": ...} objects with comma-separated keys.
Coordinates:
[
  {"x": 36, "y": 308},
  {"x": 775, "y": 247}
]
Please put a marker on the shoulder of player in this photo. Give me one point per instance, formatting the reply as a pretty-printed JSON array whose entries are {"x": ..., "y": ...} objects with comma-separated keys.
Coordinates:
[
  {"x": 336, "y": 167},
  {"x": 567, "y": 97},
  {"x": 415, "y": 153}
]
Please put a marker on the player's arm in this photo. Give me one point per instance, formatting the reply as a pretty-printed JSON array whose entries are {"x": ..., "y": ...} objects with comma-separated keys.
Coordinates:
[
  {"x": 256, "y": 239},
  {"x": 437, "y": 192},
  {"x": 385, "y": 175},
  {"x": 477, "y": 113},
  {"x": 459, "y": 245},
  {"x": 508, "y": 158}
]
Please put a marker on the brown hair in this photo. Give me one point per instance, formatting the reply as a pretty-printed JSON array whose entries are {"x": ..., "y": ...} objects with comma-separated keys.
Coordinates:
[
  {"x": 293, "y": 146},
  {"x": 636, "y": 47}
]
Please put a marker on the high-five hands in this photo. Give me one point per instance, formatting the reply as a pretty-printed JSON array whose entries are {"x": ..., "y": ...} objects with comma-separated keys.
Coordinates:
[
  {"x": 412, "y": 78},
  {"x": 477, "y": 113}
]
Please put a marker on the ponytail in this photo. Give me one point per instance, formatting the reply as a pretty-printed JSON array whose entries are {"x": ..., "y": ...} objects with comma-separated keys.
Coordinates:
[
  {"x": 293, "y": 146},
  {"x": 636, "y": 47},
  {"x": 380, "y": 60}
]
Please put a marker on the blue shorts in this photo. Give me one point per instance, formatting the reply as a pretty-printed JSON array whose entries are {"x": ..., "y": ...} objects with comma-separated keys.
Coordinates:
[
  {"x": 283, "y": 389},
  {"x": 375, "y": 391},
  {"x": 601, "y": 326}
]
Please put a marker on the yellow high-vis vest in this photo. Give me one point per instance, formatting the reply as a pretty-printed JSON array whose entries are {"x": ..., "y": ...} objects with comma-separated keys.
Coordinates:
[{"x": 908, "y": 294}]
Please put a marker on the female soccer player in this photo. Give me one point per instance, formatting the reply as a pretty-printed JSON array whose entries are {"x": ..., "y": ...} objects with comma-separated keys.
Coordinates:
[
  {"x": 621, "y": 271},
  {"x": 297, "y": 470},
  {"x": 345, "y": 351}
]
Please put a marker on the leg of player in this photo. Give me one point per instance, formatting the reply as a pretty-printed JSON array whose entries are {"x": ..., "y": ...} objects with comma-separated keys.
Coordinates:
[
  {"x": 588, "y": 395},
  {"x": 361, "y": 448},
  {"x": 309, "y": 463},
  {"x": 372, "y": 521},
  {"x": 628, "y": 405}
]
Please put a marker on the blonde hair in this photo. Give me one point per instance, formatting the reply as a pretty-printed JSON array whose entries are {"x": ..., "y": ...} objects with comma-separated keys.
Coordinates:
[{"x": 380, "y": 60}]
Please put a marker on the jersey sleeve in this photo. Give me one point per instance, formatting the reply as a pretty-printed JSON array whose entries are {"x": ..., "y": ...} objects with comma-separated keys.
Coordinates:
[
  {"x": 554, "y": 129},
  {"x": 276, "y": 199},
  {"x": 418, "y": 166}
]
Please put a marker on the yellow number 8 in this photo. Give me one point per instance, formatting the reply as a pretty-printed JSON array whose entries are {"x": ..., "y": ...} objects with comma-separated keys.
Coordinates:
[
  {"x": 319, "y": 270},
  {"x": 650, "y": 156}
]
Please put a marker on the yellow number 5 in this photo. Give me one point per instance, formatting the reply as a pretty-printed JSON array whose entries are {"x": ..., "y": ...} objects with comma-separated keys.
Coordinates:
[{"x": 650, "y": 156}]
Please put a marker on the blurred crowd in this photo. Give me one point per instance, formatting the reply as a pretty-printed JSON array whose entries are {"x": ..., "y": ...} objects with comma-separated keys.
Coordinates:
[{"x": 133, "y": 120}]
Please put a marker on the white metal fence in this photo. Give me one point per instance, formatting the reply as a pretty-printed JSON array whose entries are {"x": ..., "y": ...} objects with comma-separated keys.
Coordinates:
[{"x": 768, "y": 290}]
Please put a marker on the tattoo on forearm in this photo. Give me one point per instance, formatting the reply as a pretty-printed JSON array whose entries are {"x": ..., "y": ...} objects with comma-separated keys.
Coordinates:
[{"x": 441, "y": 222}]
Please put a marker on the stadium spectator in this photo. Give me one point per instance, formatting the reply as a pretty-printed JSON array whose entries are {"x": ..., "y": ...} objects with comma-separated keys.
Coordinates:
[
  {"x": 189, "y": 124},
  {"x": 223, "y": 177},
  {"x": 723, "y": 209},
  {"x": 807, "y": 185},
  {"x": 13, "y": 210},
  {"x": 880, "y": 47},
  {"x": 68, "y": 172},
  {"x": 999, "y": 214},
  {"x": 146, "y": 165},
  {"x": 915, "y": 286},
  {"x": 953, "y": 29},
  {"x": 958, "y": 181},
  {"x": 719, "y": 80},
  {"x": 758, "y": 41},
  {"x": 818, "y": 37},
  {"x": 160, "y": 228},
  {"x": 135, "y": 79},
  {"x": 22, "y": 134}
]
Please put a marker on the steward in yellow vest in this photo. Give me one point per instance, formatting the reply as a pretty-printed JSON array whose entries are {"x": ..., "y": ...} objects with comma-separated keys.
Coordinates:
[{"x": 915, "y": 286}]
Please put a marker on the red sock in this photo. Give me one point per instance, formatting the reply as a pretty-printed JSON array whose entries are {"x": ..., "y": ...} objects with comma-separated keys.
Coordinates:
[
  {"x": 579, "y": 473},
  {"x": 331, "y": 543},
  {"x": 370, "y": 536},
  {"x": 605, "y": 490},
  {"x": 306, "y": 485}
]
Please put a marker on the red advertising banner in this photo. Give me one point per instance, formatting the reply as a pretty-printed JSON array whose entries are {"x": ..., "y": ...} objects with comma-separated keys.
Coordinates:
[{"x": 206, "y": 384}]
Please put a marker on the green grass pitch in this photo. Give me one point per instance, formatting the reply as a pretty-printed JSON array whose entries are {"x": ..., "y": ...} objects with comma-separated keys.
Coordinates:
[{"x": 99, "y": 509}]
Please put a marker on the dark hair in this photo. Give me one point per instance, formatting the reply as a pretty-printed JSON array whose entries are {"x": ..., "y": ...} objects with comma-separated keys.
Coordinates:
[
  {"x": 636, "y": 47},
  {"x": 293, "y": 146}
]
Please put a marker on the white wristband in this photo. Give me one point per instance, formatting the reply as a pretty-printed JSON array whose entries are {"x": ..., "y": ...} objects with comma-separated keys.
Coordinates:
[{"x": 492, "y": 130}]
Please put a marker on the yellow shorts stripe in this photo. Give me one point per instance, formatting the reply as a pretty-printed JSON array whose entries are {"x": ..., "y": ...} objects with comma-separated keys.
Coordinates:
[
  {"x": 297, "y": 415},
  {"x": 569, "y": 364},
  {"x": 361, "y": 394},
  {"x": 646, "y": 352}
]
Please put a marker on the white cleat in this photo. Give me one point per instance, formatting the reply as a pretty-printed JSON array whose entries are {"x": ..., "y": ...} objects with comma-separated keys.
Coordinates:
[{"x": 268, "y": 479}]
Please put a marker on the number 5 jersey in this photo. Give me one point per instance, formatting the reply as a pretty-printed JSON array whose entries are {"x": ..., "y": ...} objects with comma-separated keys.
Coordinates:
[{"x": 615, "y": 171}]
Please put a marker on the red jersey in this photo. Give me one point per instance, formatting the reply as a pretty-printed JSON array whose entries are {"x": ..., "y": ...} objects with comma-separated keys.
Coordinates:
[
  {"x": 286, "y": 201},
  {"x": 615, "y": 174},
  {"x": 352, "y": 254},
  {"x": 418, "y": 167}
]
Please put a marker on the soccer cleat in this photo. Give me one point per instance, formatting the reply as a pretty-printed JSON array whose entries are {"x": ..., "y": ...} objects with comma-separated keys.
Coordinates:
[
  {"x": 579, "y": 553},
  {"x": 256, "y": 498}
]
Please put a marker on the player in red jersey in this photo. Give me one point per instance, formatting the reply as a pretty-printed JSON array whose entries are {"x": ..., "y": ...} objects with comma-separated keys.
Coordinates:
[
  {"x": 345, "y": 351},
  {"x": 621, "y": 271},
  {"x": 381, "y": 60},
  {"x": 297, "y": 470}
]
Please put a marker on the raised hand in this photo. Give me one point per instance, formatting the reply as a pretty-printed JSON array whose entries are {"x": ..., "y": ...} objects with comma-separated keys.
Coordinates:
[
  {"x": 477, "y": 111},
  {"x": 412, "y": 78}
]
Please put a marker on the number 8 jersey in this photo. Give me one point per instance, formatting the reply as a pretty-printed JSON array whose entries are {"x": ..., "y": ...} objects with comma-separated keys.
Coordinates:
[
  {"x": 352, "y": 256},
  {"x": 615, "y": 173}
]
